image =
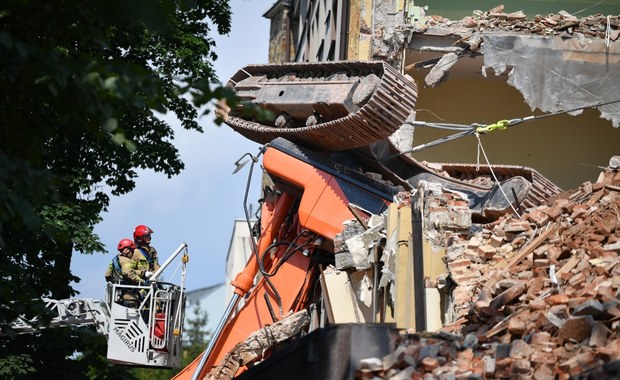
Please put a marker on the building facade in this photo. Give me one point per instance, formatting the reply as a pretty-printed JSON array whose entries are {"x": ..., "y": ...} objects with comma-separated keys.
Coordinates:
[{"x": 499, "y": 63}]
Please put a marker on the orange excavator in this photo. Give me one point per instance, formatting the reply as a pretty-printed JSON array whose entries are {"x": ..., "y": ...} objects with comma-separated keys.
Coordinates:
[{"x": 330, "y": 159}]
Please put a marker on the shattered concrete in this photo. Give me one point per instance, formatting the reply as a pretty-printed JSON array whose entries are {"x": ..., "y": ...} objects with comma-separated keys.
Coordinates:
[
  {"x": 441, "y": 71},
  {"x": 555, "y": 74},
  {"x": 389, "y": 36}
]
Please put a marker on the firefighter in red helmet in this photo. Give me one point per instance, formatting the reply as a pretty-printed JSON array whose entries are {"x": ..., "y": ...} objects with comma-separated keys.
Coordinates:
[
  {"x": 123, "y": 270},
  {"x": 145, "y": 255}
]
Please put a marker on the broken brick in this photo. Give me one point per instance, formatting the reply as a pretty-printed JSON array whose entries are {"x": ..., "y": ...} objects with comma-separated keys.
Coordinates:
[
  {"x": 557, "y": 299},
  {"x": 576, "y": 328}
]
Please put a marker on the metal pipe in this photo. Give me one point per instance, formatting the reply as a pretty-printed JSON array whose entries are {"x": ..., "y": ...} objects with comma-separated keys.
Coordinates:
[
  {"x": 168, "y": 261},
  {"x": 287, "y": 39},
  {"x": 216, "y": 336},
  {"x": 419, "y": 289},
  {"x": 343, "y": 44}
]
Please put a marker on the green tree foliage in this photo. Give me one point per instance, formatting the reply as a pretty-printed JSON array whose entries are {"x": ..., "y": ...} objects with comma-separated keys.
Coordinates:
[
  {"x": 196, "y": 335},
  {"x": 81, "y": 87},
  {"x": 195, "y": 340},
  {"x": 16, "y": 366}
]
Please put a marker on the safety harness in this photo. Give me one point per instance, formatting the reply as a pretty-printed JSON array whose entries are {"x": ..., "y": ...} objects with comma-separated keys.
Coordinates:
[
  {"x": 116, "y": 265},
  {"x": 148, "y": 257}
]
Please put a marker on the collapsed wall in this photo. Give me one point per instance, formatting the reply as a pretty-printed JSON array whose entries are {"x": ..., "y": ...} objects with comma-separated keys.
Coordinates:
[{"x": 533, "y": 294}]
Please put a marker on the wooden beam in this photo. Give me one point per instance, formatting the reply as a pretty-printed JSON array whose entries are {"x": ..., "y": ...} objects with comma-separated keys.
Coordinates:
[
  {"x": 388, "y": 313},
  {"x": 530, "y": 247},
  {"x": 434, "y": 264}
]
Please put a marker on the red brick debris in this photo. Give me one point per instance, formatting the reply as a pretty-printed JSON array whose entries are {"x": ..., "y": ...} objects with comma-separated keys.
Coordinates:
[
  {"x": 558, "y": 24},
  {"x": 535, "y": 297}
]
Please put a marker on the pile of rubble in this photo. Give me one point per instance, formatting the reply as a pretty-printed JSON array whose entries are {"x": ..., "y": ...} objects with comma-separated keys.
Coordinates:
[
  {"x": 562, "y": 23},
  {"x": 535, "y": 296}
]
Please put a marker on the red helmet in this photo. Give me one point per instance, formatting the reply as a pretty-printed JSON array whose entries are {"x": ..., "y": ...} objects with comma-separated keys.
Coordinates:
[
  {"x": 126, "y": 243},
  {"x": 140, "y": 231}
]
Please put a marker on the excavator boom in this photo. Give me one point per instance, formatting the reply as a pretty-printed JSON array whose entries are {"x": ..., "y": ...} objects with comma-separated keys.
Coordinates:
[{"x": 300, "y": 219}]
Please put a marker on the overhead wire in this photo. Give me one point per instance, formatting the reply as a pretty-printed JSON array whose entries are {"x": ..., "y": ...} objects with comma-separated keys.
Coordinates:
[
  {"x": 478, "y": 128},
  {"x": 481, "y": 149},
  {"x": 588, "y": 7},
  {"x": 471, "y": 129}
]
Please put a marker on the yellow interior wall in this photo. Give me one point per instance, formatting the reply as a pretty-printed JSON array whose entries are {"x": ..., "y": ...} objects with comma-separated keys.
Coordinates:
[{"x": 568, "y": 150}]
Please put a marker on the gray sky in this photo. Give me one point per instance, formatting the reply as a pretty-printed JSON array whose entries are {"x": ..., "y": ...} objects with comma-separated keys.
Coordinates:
[{"x": 198, "y": 206}]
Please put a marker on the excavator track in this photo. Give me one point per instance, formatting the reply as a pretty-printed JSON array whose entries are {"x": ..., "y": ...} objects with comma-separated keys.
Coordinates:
[
  {"x": 542, "y": 188},
  {"x": 328, "y": 106}
]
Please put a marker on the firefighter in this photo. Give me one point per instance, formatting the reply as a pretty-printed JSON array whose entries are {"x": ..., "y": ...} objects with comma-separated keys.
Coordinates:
[
  {"x": 124, "y": 270},
  {"x": 144, "y": 254}
]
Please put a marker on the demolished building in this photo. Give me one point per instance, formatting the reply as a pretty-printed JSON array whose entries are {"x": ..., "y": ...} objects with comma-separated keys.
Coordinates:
[
  {"x": 470, "y": 268},
  {"x": 533, "y": 295},
  {"x": 534, "y": 292}
]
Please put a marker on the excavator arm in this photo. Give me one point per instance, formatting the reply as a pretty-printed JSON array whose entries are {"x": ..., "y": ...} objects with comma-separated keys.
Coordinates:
[
  {"x": 330, "y": 155},
  {"x": 300, "y": 218}
]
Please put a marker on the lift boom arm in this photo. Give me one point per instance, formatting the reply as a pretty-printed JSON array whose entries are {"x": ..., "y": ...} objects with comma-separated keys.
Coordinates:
[{"x": 67, "y": 312}]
